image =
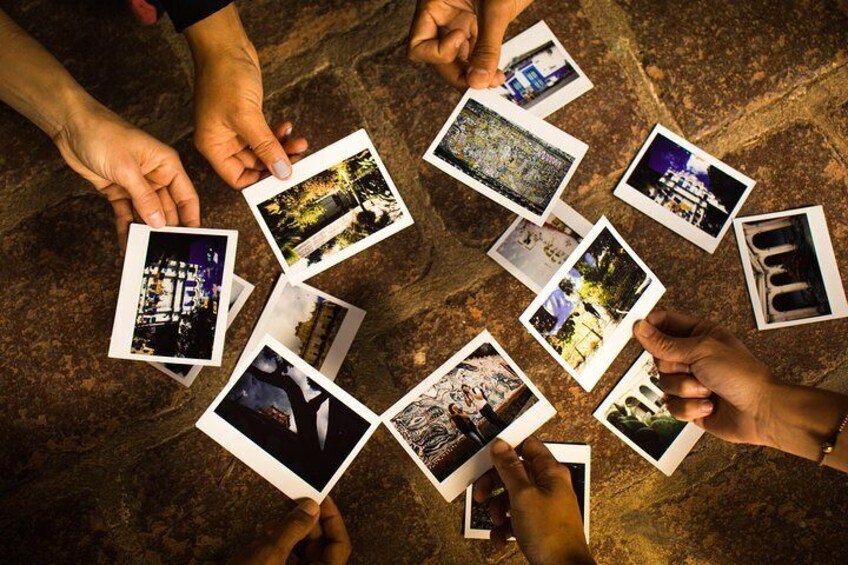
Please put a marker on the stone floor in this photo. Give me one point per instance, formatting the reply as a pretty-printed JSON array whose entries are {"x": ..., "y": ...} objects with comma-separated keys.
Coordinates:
[{"x": 100, "y": 459}]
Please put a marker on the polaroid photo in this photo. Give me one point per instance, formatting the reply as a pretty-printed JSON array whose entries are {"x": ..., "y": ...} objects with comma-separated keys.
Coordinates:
[
  {"x": 507, "y": 154},
  {"x": 684, "y": 188},
  {"x": 541, "y": 77},
  {"x": 585, "y": 314},
  {"x": 288, "y": 422},
  {"x": 790, "y": 268},
  {"x": 634, "y": 410},
  {"x": 338, "y": 202},
  {"x": 317, "y": 327},
  {"x": 577, "y": 457},
  {"x": 532, "y": 253},
  {"x": 446, "y": 422},
  {"x": 185, "y": 374},
  {"x": 173, "y": 282}
]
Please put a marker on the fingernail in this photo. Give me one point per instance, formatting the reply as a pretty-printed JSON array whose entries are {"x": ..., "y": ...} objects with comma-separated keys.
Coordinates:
[
  {"x": 706, "y": 407},
  {"x": 499, "y": 447},
  {"x": 645, "y": 329},
  {"x": 156, "y": 220},
  {"x": 309, "y": 507},
  {"x": 458, "y": 43},
  {"x": 288, "y": 131},
  {"x": 478, "y": 74},
  {"x": 704, "y": 390},
  {"x": 281, "y": 169}
]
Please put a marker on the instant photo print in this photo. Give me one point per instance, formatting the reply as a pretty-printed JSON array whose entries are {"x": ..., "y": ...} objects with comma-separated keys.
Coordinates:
[
  {"x": 317, "y": 327},
  {"x": 338, "y": 202},
  {"x": 684, "y": 188},
  {"x": 447, "y": 422},
  {"x": 175, "y": 287},
  {"x": 577, "y": 457},
  {"x": 185, "y": 374},
  {"x": 790, "y": 268},
  {"x": 541, "y": 77},
  {"x": 532, "y": 253},
  {"x": 635, "y": 411},
  {"x": 585, "y": 314},
  {"x": 288, "y": 422},
  {"x": 507, "y": 154}
]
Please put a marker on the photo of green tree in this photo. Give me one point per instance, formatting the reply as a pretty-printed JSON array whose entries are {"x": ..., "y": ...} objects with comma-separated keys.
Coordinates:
[
  {"x": 592, "y": 299},
  {"x": 331, "y": 210}
]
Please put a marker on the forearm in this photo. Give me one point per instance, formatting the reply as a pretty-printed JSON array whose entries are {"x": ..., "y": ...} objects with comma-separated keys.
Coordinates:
[
  {"x": 801, "y": 418},
  {"x": 34, "y": 83}
]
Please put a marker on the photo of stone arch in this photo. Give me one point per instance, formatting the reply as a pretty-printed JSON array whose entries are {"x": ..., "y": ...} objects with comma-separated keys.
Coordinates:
[{"x": 791, "y": 269}]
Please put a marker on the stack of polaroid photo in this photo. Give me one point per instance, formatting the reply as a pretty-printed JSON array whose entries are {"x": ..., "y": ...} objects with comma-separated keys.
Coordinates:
[{"x": 281, "y": 413}]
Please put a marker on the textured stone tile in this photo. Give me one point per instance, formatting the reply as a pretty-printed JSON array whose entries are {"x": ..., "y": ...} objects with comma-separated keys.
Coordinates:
[
  {"x": 712, "y": 63},
  {"x": 129, "y": 68},
  {"x": 60, "y": 277},
  {"x": 77, "y": 530}
]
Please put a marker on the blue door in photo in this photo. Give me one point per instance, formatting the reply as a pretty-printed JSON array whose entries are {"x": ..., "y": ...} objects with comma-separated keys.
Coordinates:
[
  {"x": 517, "y": 89},
  {"x": 535, "y": 77}
]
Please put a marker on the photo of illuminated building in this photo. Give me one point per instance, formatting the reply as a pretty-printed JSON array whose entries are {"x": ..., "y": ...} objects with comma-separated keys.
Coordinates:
[{"x": 536, "y": 74}]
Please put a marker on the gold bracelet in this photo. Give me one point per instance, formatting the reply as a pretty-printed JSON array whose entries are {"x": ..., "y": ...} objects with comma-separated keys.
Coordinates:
[{"x": 830, "y": 443}]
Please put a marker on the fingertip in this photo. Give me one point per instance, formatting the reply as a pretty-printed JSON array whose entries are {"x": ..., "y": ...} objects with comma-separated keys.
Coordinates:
[
  {"x": 500, "y": 447},
  {"x": 309, "y": 507},
  {"x": 281, "y": 168},
  {"x": 645, "y": 330},
  {"x": 478, "y": 78},
  {"x": 156, "y": 219}
]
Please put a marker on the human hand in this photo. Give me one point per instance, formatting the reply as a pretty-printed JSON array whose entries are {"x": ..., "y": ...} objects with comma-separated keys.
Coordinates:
[
  {"x": 230, "y": 128},
  {"x": 319, "y": 530},
  {"x": 710, "y": 377},
  {"x": 462, "y": 38},
  {"x": 142, "y": 178},
  {"x": 538, "y": 507}
]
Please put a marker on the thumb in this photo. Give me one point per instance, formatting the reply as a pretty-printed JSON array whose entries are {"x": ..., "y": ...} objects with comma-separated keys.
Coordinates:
[
  {"x": 144, "y": 198},
  {"x": 509, "y": 466},
  {"x": 666, "y": 347},
  {"x": 297, "y": 525},
  {"x": 483, "y": 62},
  {"x": 265, "y": 145}
]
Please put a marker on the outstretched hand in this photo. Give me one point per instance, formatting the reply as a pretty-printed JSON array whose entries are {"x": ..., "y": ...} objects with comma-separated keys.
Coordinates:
[
  {"x": 538, "y": 506},
  {"x": 709, "y": 376},
  {"x": 315, "y": 533},
  {"x": 462, "y": 39}
]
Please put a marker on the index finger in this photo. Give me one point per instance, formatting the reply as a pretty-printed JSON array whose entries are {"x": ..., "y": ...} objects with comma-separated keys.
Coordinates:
[
  {"x": 337, "y": 549},
  {"x": 185, "y": 197},
  {"x": 435, "y": 49},
  {"x": 673, "y": 323},
  {"x": 539, "y": 459}
]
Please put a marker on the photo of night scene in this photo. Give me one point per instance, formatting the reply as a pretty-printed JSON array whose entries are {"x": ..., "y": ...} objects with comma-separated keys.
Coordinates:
[{"x": 179, "y": 297}]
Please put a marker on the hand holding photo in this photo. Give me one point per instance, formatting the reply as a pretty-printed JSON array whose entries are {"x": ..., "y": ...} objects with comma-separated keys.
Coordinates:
[
  {"x": 635, "y": 411},
  {"x": 684, "y": 188},
  {"x": 541, "y": 76},
  {"x": 338, "y": 202},
  {"x": 532, "y": 253},
  {"x": 317, "y": 327},
  {"x": 585, "y": 314},
  {"x": 447, "y": 421},
  {"x": 288, "y": 422},
  {"x": 518, "y": 160},
  {"x": 172, "y": 285},
  {"x": 577, "y": 457},
  {"x": 790, "y": 268},
  {"x": 185, "y": 374}
]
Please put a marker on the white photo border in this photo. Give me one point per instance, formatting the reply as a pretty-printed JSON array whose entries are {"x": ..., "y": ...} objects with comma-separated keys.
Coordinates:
[
  {"x": 679, "y": 448},
  {"x": 342, "y": 342},
  {"x": 538, "y": 34},
  {"x": 262, "y": 462},
  {"x": 562, "y": 211},
  {"x": 125, "y": 312},
  {"x": 826, "y": 259},
  {"x": 187, "y": 379},
  {"x": 524, "y": 119},
  {"x": 668, "y": 218},
  {"x": 516, "y": 432},
  {"x": 304, "y": 170},
  {"x": 580, "y": 453},
  {"x": 592, "y": 372}
]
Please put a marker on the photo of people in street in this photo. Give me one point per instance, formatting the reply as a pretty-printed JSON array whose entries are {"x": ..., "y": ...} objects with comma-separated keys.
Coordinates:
[
  {"x": 591, "y": 300},
  {"x": 291, "y": 417},
  {"x": 463, "y": 411},
  {"x": 178, "y": 300}
]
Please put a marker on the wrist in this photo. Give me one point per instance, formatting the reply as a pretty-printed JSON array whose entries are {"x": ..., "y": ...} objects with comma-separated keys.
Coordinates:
[
  {"x": 765, "y": 416},
  {"x": 218, "y": 36}
]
